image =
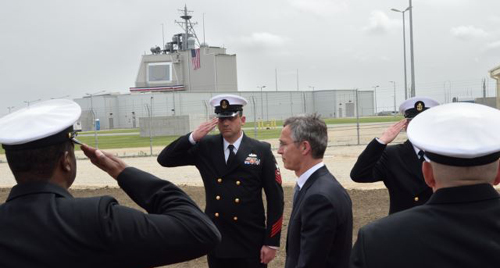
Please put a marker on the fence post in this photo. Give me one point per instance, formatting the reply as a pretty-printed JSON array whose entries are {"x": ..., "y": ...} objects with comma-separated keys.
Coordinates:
[{"x": 357, "y": 114}]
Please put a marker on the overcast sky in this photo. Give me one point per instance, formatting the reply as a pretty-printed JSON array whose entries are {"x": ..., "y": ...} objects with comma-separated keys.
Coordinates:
[{"x": 56, "y": 48}]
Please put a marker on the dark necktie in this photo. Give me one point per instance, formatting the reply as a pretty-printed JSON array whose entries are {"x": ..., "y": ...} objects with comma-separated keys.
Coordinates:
[
  {"x": 295, "y": 193},
  {"x": 421, "y": 156},
  {"x": 231, "y": 154}
]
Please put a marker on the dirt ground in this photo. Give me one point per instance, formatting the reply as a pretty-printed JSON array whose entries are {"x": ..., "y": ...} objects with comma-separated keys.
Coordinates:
[
  {"x": 368, "y": 205},
  {"x": 340, "y": 156}
]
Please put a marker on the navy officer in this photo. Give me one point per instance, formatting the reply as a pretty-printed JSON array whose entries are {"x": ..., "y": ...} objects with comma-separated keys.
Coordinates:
[
  {"x": 458, "y": 226},
  {"x": 43, "y": 225},
  {"x": 234, "y": 168},
  {"x": 398, "y": 166}
]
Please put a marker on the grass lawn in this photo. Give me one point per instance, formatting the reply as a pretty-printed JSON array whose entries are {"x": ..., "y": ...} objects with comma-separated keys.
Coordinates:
[
  {"x": 134, "y": 141},
  {"x": 333, "y": 121}
]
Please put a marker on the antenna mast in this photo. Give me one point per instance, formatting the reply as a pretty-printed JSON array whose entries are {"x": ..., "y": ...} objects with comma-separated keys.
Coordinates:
[{"x": 187, "y": 27}]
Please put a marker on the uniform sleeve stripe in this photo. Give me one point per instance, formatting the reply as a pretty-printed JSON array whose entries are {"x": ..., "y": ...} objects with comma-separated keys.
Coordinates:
[
  {"x": 277, "y": 175},
  {"x": 276, "y": 229}
]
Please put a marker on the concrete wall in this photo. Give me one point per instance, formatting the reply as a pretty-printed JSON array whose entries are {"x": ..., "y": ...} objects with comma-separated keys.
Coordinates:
[
  {"x": 128, "y": 110},
  {"x": 489, "y": 101},
  {"x": 217, "y": 70},
  {"x": 177, "y": 73},
  {"x": 495, "y": 74},
  {"x": 170, "y": 125}
]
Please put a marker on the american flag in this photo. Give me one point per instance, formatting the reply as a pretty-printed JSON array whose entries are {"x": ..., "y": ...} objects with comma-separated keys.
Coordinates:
[{"x": 195, "y": 58}]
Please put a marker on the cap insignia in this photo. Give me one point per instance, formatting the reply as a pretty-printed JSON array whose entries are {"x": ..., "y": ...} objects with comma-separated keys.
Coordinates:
[
  {"x": 419, "y": 106},
  {"x": 224, "y": 104}
]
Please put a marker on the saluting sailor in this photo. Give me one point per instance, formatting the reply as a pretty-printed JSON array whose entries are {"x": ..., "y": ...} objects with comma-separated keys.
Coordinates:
[
  {"x": 398, "y": 166},
  {"x": 458, "y": 226},
  {"x": 43, "y": 225},
  {"x": 234, "y": 169}
]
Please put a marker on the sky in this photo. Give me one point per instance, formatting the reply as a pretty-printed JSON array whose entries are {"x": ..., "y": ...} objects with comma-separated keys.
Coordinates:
[{"x": 67, "y": 48}]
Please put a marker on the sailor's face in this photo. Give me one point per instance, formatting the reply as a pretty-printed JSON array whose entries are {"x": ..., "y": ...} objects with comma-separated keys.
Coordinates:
[{"x": 230, "y": 127}]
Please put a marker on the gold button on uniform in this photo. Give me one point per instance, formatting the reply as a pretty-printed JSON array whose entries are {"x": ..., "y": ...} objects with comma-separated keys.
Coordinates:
[
  {"x": 217, "y": 197},
  {"x": 219, "y": 180},
  {"x": 238, "y": 182},
  {"x": 416, "y": 198},
  {"x": 235, "y": 218},
  {"x": 216, "y": 214},
  {"x": 236, "y": 200}
]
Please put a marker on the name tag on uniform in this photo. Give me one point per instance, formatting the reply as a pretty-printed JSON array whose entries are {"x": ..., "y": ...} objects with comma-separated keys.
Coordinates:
[{"x": 252, "y": 160}]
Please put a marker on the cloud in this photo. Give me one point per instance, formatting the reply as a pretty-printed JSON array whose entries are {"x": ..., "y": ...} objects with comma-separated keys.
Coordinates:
[
  {"x": 445, "y": 3},
  {"x": 492, "y": 45},
  {"x": 320, "y": 7},
  {"x": 380, "y": 23},
  {"x": 263, "y": 40},
  {"x": 468, "y": 32},
  {"x": 494, "y": 19}
]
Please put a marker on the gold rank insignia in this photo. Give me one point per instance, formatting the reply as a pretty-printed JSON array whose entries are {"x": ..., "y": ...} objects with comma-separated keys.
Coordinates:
[
  {"x": 419, "y": 106},
  {"x": 224, "y": 104}
]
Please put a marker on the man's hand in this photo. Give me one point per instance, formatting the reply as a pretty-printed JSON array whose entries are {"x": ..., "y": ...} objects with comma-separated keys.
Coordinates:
[
  {"x": 105, "y": 161},
  {"x": 392, "y": 132},
  {"x": 267, "y": 254},
  {"x": 204, "y": 129}
]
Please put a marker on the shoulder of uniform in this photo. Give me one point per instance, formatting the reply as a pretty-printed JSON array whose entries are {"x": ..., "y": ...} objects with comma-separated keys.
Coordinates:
[
  {"x": 96, "y": 200},
  {"x": 210, "y": 138},
  {"x": 255, "y": 141}
]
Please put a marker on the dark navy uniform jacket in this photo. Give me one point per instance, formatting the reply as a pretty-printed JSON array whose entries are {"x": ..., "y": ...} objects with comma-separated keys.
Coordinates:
[
  {"x": 320, "y": 228},
  {"x": 458, "y": 227},
  {"x": 42, "y": 225},
  {"x": 399, "y": 168},
  {"x": 234, "y": 192}
]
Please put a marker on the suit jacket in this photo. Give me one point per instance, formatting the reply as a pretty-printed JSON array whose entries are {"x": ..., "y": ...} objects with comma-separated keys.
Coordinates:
[
  {"x": 458, "y": 227},
  {"x": 399, "y": 168},
  {"x": 234, "y": 192},
  {"x": 320, "y": 228},
  {"x": 42, "y": 225}
]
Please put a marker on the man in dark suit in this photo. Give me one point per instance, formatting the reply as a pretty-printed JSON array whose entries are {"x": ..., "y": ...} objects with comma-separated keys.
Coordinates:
[
  {"x": 459, "y": 225},
  {"x": 398, "y": 166},
  {"x": 42, "y": 225},
  {"x": 234, "y": 169},
  {"x": 320, "y": 227}
]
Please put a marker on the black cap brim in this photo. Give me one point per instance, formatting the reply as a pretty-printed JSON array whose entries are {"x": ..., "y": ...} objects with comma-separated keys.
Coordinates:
[
  {"x": 60, "y": 137},
  {"x": 463, "y": 162},
  {"x": 227, "y": 115}
]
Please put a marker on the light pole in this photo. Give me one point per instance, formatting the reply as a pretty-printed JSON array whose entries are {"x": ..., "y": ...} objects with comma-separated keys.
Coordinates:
[
  {"x": 447, "y": 94},
  {"x": 375, "y": 97},
  {"x": 261, "y": 103},
  {"x": 394, "y": 83},
  {"x": 93, "y": 114},
  {"x": 10, "y": 108},
  {"x": 411, "y": 52},
  {"x": 312, "y": 87},
  {"x": 62, "y": 97},
  {"x": 28, "y": 102},
  {"x": 404, "y": 48}
]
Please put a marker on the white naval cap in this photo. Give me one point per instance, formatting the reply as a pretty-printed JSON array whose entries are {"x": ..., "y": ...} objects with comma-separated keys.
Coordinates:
[
  {"x": 39, "y": 125},
  {"x": 458, "y": 134},
  {"x": 227, "y": 105},
  {"x": 413, "y": 106}
]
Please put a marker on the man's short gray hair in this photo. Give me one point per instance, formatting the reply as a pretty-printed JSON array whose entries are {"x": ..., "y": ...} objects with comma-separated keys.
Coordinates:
[{"x": 309, "y": 128}]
